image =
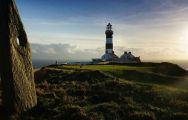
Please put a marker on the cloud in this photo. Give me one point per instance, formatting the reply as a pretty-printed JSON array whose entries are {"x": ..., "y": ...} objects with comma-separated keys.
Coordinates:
[{"x": 62, "y": 52}]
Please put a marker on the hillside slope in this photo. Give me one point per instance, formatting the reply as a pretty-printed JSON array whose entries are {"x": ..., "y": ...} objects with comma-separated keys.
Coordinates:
[{"x": 87, "y": 93}]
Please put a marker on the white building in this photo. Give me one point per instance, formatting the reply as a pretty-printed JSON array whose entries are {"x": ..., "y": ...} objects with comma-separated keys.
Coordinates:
[{"x": 127, "y": 57}]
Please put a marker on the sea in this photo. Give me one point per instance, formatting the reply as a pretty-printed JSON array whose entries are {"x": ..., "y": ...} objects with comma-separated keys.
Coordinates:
[{"x": 41, "y": 63}]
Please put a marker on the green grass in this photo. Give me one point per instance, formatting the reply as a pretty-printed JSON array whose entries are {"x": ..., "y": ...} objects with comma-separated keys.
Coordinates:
[
  {"x": 133, "y": 73},
  {"x": 108, "y": 67}
]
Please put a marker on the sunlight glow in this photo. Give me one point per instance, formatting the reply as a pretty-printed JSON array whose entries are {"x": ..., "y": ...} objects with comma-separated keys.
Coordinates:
[{"x": 184, "y": 41}]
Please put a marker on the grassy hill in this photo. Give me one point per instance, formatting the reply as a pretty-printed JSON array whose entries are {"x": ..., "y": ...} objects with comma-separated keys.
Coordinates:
[{"x": 111, "y": 92}]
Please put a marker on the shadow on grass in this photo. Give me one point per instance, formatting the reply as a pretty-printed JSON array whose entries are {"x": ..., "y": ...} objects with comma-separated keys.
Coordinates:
[{"x": 146, "y": 77}]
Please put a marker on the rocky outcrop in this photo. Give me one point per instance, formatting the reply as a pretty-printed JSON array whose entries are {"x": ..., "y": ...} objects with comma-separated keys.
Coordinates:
[{"x": 18, "y": 88}]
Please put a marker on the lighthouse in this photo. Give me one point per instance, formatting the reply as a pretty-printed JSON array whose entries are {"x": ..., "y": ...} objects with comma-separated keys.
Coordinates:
[
  {"x": 109, "y": 53},
  {"x": 110, "y": 56},
  {"x": 109, "y": 39}
]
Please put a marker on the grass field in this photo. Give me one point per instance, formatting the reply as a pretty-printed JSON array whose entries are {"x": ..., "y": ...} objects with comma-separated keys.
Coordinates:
[
  {"x": 109, "y": 92},
  {"x": 135, "y": 73},
  {"x": 108, "y": 67}
]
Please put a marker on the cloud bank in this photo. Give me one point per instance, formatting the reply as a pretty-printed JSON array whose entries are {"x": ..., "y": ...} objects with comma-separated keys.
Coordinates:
[
  {"x": 61, "y": 52},
  {"x": 68, "y": 52}
]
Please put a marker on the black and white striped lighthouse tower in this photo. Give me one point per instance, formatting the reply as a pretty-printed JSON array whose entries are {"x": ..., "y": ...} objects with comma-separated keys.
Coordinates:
[
  {"x": 109, "y": 39},
  {"x": 109, "y": 52}
]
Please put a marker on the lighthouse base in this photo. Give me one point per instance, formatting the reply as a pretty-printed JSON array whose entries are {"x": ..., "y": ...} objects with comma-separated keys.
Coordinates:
[{"x": 110, "y": 57}]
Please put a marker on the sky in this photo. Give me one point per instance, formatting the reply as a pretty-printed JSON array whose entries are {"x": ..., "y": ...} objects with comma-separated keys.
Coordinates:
[{"x": 75, "y": 29}]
